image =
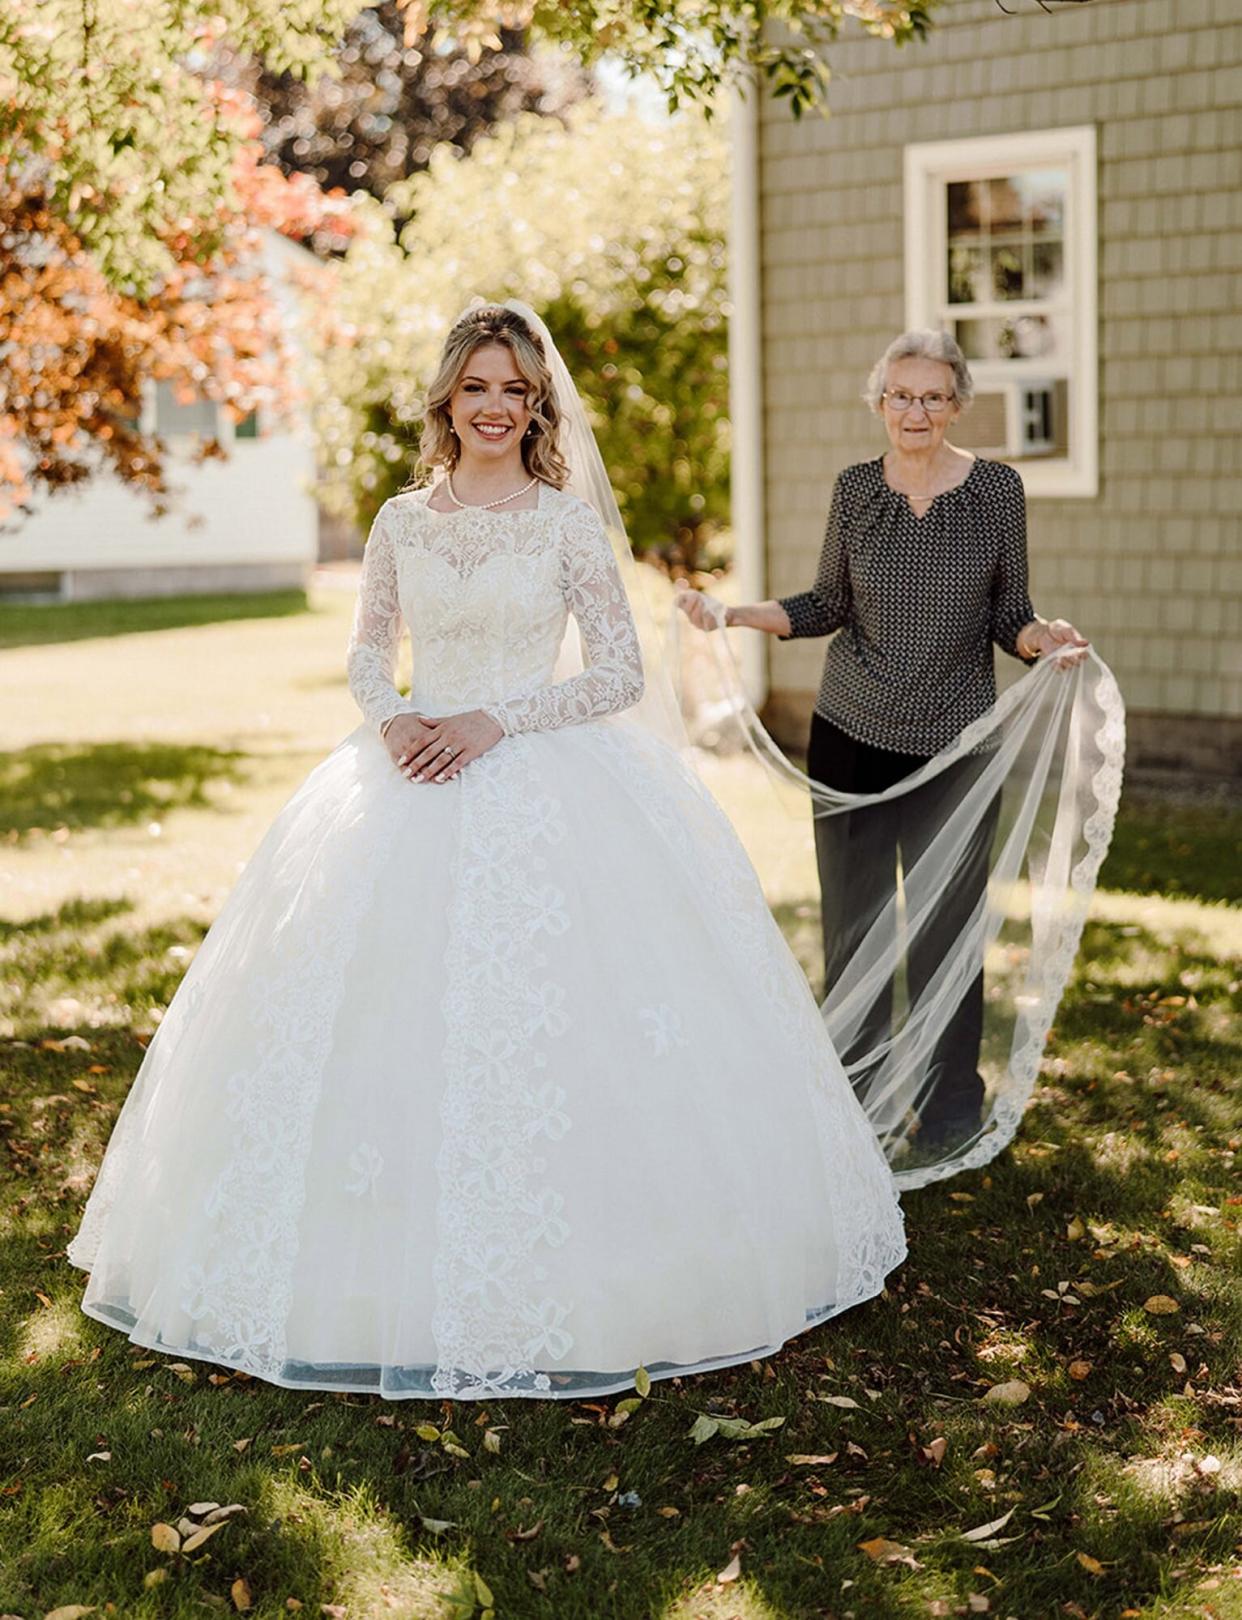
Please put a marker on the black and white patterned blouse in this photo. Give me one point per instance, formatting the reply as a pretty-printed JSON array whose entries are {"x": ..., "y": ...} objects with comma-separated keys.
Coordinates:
[{"x": 918, "y": 603}]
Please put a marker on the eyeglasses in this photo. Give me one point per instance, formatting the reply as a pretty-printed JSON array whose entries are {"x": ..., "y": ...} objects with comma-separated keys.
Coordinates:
[{"x": 933, "y": 403}]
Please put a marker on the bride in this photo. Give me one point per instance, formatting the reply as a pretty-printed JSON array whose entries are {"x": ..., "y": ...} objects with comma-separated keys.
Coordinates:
[{"x": 494, "y": 1075}]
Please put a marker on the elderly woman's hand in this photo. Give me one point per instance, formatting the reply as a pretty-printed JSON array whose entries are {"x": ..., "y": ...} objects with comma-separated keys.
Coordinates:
[
  {"x": 704, "y": 612},
  {"x": 1041, "y": 639}
]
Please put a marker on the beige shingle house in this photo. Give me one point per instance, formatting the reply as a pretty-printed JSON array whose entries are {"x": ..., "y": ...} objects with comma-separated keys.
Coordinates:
[{"x": 1063, "y": 191}]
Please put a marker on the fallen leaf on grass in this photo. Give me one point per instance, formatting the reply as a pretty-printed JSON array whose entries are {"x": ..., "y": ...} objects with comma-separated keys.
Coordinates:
[
  {"x": 731, "y": 1571},
  {"x": 1177, "y": 1361},
  {"x": 932, "y": 1454},
  {"x": 669, "y": 1512},
  {"x": 623, "y": 1411},
  {"x": 70, "y": 1611},
  {"x": 1092, "y": 1566},
  {"x": 1011, "y": 1393},
  {"x": 803, "y": 1460},
  {"x": 288, "y": 1450},
  {"x": 845, "y": 1401},
  {"x": 982, "y": 1532},
  {"x": 1078, "y": 1370},
  {"x": 221, "y": 1515},
  {"x": 100, "y": 1456},
  {"x": 882, "y": 1551},
  {"x": 1161, "y": 1305},
  {"x": 731, "y": 1428},
  {"x": 200, "y": 1536},
  {"x": 165, "y": 1539},
  {"x": 1089, "y": 1290},
  {"x": 525, "y": 1535},
  {"x": 437, "y": 1527}
]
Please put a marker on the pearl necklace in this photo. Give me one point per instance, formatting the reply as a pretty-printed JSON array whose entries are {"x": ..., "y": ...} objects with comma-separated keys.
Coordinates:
[{"x": 484, "y": 506}]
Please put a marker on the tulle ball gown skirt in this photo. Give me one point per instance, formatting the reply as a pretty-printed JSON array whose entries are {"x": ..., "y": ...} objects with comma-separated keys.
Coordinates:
[{"x": 507, "y": 1086}]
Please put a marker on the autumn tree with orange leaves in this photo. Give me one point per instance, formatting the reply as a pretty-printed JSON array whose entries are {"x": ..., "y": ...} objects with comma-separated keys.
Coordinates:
[
  {"x": 132, "y": 206},
  {"x": 132, "y": 191}
]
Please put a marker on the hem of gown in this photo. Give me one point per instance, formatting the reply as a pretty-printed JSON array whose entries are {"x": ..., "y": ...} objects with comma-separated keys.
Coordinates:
[{"x": 607, "y": 1383}]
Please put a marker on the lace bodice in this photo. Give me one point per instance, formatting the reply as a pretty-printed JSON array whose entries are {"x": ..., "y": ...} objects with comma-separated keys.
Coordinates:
[{"x": 486, "y": 596}]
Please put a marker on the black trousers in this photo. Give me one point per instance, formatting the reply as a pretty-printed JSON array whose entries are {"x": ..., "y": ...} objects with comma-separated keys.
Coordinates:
[{"x": 858, "y": 858}]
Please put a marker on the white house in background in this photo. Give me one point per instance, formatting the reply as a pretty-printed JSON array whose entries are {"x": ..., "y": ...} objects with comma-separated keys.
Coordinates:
[{"x": 246, "y": 524}]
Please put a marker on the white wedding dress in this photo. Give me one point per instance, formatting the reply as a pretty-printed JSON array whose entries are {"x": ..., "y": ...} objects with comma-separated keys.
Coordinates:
[{"x": 506, "y": 1086}]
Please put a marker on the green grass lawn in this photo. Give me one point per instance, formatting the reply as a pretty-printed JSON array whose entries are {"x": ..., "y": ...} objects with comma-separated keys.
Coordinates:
[
  {"x": 889, "y": 1487},
  {"x": 42, "y": 623}
]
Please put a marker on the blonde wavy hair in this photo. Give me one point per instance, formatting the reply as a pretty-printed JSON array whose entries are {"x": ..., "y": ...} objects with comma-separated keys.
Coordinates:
[{"x": 492, "y": 323}]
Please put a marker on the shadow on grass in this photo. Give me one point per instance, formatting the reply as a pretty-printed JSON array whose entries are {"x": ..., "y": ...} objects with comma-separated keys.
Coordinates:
[
  {"x": 1181, "y": 851},
  {"x": 110, "y": 784},
  {"x": 68, "y": 953},
  {"x": 73, "y": 915},
  {"x": 39, "y": 624},
  {"x": 340, "y": 1489}
]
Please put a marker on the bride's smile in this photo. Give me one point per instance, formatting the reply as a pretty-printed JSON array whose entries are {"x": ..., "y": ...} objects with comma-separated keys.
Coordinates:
[{"x": 490, "y": 413}]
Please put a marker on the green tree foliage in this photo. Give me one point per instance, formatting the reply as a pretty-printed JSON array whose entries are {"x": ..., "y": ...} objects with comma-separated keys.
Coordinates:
[
  {"x": 614, "y": 229},
  {"x": 692, "y": 48},
  {"x": 106, "y": 111},
  {"x": 387, "y": 104}
]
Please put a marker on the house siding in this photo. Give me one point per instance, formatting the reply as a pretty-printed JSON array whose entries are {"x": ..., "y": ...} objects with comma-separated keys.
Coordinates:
[{"x": 1150, "y": 568}]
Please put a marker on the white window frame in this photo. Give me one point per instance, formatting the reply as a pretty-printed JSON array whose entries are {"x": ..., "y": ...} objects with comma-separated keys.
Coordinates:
[
  {"x": 226, "y": 428},
  {"x": 929, "y": 168}
]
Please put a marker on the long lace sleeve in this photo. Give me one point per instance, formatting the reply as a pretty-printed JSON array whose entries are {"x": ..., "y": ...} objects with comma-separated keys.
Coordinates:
[
  {"x": 594, "y": 594},
  {"x": 372, "y": 655}
]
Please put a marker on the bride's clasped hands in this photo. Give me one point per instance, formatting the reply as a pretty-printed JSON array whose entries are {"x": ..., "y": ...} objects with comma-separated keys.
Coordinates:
[{"x": 427, "y": 750}]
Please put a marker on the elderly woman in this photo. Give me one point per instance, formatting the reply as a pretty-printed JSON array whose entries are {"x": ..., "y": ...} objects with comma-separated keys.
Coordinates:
[{"x": 923, "y": 567}]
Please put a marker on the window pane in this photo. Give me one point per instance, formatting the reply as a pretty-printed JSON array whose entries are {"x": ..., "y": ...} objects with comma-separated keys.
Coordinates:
[
  {"x": 965, "y": 208},
  {"x": 172, "y": 417},
  {"x": 1043, "y": 193},
  {"x": 967, "y": 282},
  {"x": 1022, "y": 337},
  {"x": 1047, "y": 269},
  {"x": 1006, "y": 205},
  {"x": 976, "y": 339},
  {"x": 1029, "y": 337},
  {"x": 1024, "y": 421},
  {"x": 1007, "y": 278}
]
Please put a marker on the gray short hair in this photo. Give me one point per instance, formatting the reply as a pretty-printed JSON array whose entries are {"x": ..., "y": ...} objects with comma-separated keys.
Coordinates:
[{"x": 923, "y": 343}]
